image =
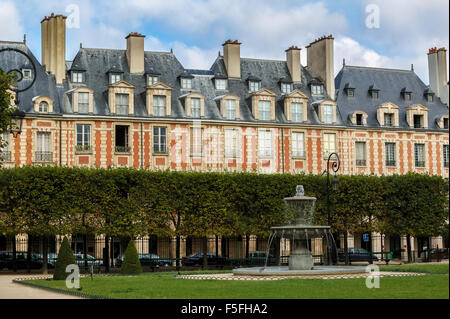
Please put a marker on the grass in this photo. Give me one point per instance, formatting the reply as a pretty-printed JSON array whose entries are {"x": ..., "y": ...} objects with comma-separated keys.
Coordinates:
[{"x": 165, "y": 286}]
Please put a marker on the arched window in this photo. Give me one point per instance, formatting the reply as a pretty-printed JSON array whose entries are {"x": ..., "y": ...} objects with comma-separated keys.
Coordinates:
[{"x": 43, "y": 107}]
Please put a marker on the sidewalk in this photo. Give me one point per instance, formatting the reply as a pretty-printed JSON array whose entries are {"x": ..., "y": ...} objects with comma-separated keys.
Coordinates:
[{"x": 10, "y": 290}]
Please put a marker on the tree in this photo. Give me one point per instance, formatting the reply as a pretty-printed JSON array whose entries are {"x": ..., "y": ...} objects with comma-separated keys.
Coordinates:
[
  {"x": 65, "y": 258},
  {"x": 131, "y": 264}
]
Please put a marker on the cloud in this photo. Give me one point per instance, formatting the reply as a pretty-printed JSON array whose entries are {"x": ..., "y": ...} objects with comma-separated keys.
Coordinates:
[{"x": 11, "y": 27}]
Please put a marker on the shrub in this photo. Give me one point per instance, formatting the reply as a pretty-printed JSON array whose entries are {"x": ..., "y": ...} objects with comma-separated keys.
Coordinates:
[
  {"x": 65, "y": 257},
  {"x": 131, "y": 264}
]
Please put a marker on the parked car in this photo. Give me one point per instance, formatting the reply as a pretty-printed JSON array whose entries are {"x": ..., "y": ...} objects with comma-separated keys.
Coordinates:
[
  {"x": 435, "y": 254},
  {"x": 80, "y": 260},
  {"x": 148, "y": 260},
  {"x": 36, "y": 262},
  {"x": 258, "y": 257},
  {"x": 356, "y": 254},
  {"x": 197, "y": 259}
]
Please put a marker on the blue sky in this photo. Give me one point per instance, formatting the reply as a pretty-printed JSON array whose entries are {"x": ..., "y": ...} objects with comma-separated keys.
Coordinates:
[{"x": 195, "y": 29}]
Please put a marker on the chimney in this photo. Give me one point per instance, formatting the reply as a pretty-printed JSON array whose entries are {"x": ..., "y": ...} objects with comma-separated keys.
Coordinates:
[
  {"x": 293, "y": 63},
  {"x": 437, "y": 72},
  {"x": 135, "y": 52},
  {"x": 232, "y": 58},
  {"x": 320, "y": 60},
  {"x": 53, "y": 42}
]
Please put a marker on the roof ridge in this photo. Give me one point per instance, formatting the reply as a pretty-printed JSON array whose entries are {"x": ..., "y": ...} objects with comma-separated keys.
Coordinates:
[
  {"x": 12, "y": 42},
  {"x": 377, "y": 68},
  {"x": 264, "y": 60},
  {"x": 123, "y": 50}
]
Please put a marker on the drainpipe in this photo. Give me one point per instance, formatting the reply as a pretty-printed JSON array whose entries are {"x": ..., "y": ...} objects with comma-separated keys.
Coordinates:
[
  {"x": 142, "y": 148},
  {"x": 282, "y": 150}
]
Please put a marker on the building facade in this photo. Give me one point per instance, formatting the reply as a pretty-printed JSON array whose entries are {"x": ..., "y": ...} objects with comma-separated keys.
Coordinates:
[{"x": 143, "y": 109}]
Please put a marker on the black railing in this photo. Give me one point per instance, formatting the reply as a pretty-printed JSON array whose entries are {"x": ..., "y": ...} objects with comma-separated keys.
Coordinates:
[
  {"x": 83, "y": 148},
  {"x": 123, "y": 149},
  {"x": 420, "y": 163},
  {"x": 43, "y": 156},
  {"x": 360, "y": 162},
  {"x": 390, "y": 163}
]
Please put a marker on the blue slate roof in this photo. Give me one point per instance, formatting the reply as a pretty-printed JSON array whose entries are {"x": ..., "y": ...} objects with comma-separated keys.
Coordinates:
[{"x": 390, "y": 83}]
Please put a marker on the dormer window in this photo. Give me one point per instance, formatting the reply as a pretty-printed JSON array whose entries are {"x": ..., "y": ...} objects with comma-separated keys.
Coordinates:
[
  {"x": 43, "y": 107},
  {"x": 429, "y": 95},
  {"x": 317, "y": 89},
  {"x": 328, "y": 114},
  {"x": 374, "y": 92},
  {"x": 406, "y": 94},
  {"x": 359, "y": 119},
  {"x": 221, "y": 84},
  {"x": 446, "y": 123},
  {"x": 195, "y": 107},
  {"x": 286, "y": 88},
  {"x": 122, "y": 103},
  {"x": 418, "y": 121},
  {"x": 152, "y": 79},
  {"x": 83, "y": 102},
  {"x": 388, "y": 119},
  {"x": 375, "y": 95},
  {"x": 349, "y": 90},
  {"x": 77, "y": 77},
  {"x": 114, "y": 77},
  {"x": 186, "y": 83},
  {"x": 254, "y": 86},
  {"x": 27, "y": 74}
]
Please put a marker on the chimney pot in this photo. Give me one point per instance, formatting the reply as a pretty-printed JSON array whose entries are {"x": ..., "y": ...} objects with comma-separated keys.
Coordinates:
[{"x": 52, "y": 14}]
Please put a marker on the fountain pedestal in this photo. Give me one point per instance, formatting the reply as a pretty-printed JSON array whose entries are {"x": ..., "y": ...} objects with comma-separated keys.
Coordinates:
[{"x": 301, "y": 258}]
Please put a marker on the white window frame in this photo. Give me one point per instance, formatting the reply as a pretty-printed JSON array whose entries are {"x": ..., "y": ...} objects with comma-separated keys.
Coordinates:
[
  {"x": 329, "y": 143},
  {"x": 220, "y": 84},
  {"x": 43, "y": 107},
  {"x": 83, "y": 102},
  {"x": 30, "y": 74},
  {"x": 230, "y": 109},
  {"x": 264, "y": 110},
  {"x": 152, "y": 79},
  {"x": 254, "y": 86},
  {"x": 419, "y": 154},
  {"x": 77, "y": 77},
  {"x": 317, "y": 89},
  {"x": 115, "y": 77},
  {"x": 390, "y": 153},
  {"x": 446, "y": 155},
  {"x": 83, "y": 135},
  {"x": 186, "y": 83},
  {"x": 286, "y": 88},
  {"x": 195, "y": 107},
  {"x": 328, "y": 114},
  {"x": 231, "y": 143},
  {"x": 122, "y": 108},
  {"x": 391, "y": 119},
  {"x": 298, "y": 144},
  {"x": 159, "y": 105},
  {"x": 360, "y": 148},
  {"x": 265, "y": 143},
  {"x": 43, "y": 146},
  {"x": 159, "y": 139},
  {"x": 196, "y": 141}
]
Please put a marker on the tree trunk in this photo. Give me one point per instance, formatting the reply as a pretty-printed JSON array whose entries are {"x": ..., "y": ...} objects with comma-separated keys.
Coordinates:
[
  {"x": 44, "y": 254},
  {"x": 277, "y": 251},
  {"x": 247, "y": 245},
  {"x": 14, "y": 248},
  {"x": 370, "y": 248},
  {"x": 205, "y": 252},
  {"x": 408, "y": 247},
  {"x": 347, "y": 259},
  {"x": 106, "y": 254},
  {"x": 177, "y": 252},
  {"x": 29, "y": 254}
]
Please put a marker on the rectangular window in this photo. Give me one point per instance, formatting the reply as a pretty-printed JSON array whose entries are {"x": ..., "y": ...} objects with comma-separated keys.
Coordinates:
[
  {"x": 359, "y": 118},
  {"x": 77, "y": 77},
  {"x": 446, "y": 123},
  {"x": 230, "y": 109},
  {"x": 186, "y": 83},
  {"x": 115, "y": 78},
  {"x": 350, "y": 92},
  {"x": 152, "y": 79},
  {"x": 264, "y": 110},
  {"x": 446, "y": 155},
  {"x": 221, "y": 84},
  {"x": 265, "y": 143},
  {"x": 328, "y": 114},
  {"x": 43, "y": 153},
  {"x": 195, "y": 107},
  {"x": 430, "y": 98},
  {"x": 196, "y": 141},
  {"x": 231, "y": 143},
  {"x": 329, "y": 143},
  {"x": 253, "y": 86},
  {"x": 297, "y": 112},
  {"x": 43, "y": 107},
  {"x": 317, "y": 89},
  {"x": 407, "y": 96},
  {"x": 419, "y": 155},
  {"x": 418, "y": 121},
  {"x": 360, "y": 153},
  {"x": 159, "y": 139},
  {"x": 27, "y": 74},
  {"x": 298, "y": 147},
  {"x": 390, "y": 154},
  {"x": 83, "y": 137},
  {"x": 122, "y": 139},
  {"x": 122, "y": 104},
  {"x": 388, "y": 119},
  {"x": 375, "y": 95},
  {"x": 286, "y": 88},
  {"x": 83, "y": 102},
  {"x": 159, "y": 105}
]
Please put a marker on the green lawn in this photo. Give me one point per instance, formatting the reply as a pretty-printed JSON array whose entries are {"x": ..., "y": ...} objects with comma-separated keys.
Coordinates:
[{"x": 435, "y": 284}]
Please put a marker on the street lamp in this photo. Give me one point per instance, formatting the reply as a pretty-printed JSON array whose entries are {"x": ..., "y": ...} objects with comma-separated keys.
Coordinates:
[
  {"x": 336, "y": 163},
  {"x": 17, "y": 121}
]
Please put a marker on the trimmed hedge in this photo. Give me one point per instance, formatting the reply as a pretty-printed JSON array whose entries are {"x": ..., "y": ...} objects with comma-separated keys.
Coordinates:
[
  {"x": 65, "y": 258},
  {"x": 131, "y": 264}
]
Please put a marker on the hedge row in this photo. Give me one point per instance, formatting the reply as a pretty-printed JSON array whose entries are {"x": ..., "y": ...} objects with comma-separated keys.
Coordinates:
[{"x": 127, "y": 202}]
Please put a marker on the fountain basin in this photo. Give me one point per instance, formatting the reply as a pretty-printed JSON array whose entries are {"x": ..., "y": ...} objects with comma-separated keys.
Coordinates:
[
  {"x": 301, "y": 231},
  {"x": 284, "y": 271}
]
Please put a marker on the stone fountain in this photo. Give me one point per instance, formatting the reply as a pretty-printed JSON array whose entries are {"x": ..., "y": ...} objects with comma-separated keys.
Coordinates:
[{"x": 300, "y": 231}]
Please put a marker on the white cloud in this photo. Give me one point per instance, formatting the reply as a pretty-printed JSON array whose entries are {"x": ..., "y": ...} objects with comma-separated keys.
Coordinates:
[{"x": 10, "y": 23}]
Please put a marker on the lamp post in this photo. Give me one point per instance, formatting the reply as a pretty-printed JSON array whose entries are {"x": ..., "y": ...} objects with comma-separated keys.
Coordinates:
[
  {"x": 16, "y": 128},
  {"x": 336, "y": 163}
]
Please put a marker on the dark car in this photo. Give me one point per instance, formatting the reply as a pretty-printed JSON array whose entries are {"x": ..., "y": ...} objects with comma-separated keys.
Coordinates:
[
  {"x": 356, "y": 254},
  {"x": 258, "y": 257},
  {"x": 197, "y": 259},
  {"x": 437, "y": 254},
  {"x": 36, "y": 262},
  {"x": 148, "y": 260}
]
